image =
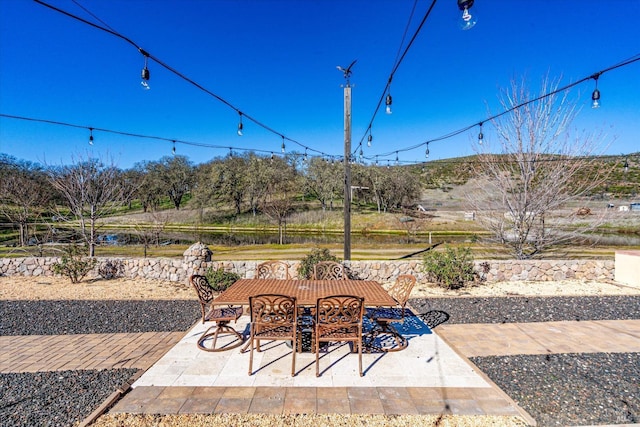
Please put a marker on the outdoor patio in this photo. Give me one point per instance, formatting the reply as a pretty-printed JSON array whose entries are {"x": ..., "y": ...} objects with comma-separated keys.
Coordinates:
[{"x": 428, "y": 377}]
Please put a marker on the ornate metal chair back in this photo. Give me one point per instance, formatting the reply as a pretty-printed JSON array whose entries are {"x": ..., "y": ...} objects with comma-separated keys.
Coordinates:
[
  {"x": 273, "y": 317},
  {"x": 204, "y": 291},
  {"x": 329, "y": 270},
  {"x": 273, "y": 270},
  {"x": 339, "y": 318},
  {"x": 401, "y": 289}
]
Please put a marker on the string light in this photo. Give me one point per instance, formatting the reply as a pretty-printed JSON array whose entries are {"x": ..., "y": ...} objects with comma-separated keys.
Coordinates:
[
  {"x": 240, "y": 127},
  {"x": 480, "y": 135},
  {"x": 426, "y": 153},
  {"x": 173, "y": 150},
  {"x": 145, "y": 71},
  {"x": 388, "y": 101},
  {"x": 369, "y": 139},
  {"x": 467, "y": 21},
  {"x": 397, "y": 161},
  {"x": 282, "y": 148},
  {"x": 90, "y": 136},
  {"x": 595, "y": 96},
  {"x": 230, "y": 152}
]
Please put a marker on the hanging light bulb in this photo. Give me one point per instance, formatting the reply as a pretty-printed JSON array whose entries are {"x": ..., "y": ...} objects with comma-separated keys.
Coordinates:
[
  {"x": 376, "y": 160},
  {"x": 282, "y": 148},
  {"x": 240, "y": 127},
  {"x": 397, "y": 161},
  {"x": 426, "y": 152},
  {"x": 272, "y": 156},
  {"x": 361, "y": 154},
  {"x": 145, "y": 72},
  {"x": 595, "y": 96},
  {"x": 90, "y": 136},
  {"x": 388, "y": 103},
  {"x": 480, "y": 135},
  {"x": 305, "y": 159},
  {"x": 230, "y": 152},
  {"x": 369, "y": 139},
  {"x": 173, "y": 150},
  {"x": 467, "y": 20}
]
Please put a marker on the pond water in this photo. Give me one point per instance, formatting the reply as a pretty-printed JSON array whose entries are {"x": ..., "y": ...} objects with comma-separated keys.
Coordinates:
[{"x": 123, "y": 237}]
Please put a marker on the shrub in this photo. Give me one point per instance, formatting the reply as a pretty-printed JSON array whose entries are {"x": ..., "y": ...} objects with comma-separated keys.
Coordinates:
[
  {"x": 111, "y": 269},
  {"x": 451, "y": 269},
  {"x": 219, "y": 279},
  {"x": 74, "y": 264},
  {"x": 305, "y": 268}
]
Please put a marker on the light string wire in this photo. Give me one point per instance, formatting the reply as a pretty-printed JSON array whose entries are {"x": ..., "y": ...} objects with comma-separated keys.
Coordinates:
[
  {"x": 393, "y": 71},
  {"x": 552, "y": 158},
  {"x": 131, "y": 134},
  {"x": 181, "y": 75},
  {"x": 395, "y": 68},
  {"x": 593, "y": 76}
]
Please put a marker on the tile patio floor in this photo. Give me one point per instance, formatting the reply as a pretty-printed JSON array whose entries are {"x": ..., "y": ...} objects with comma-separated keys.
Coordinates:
[{"x": 428, "y": 377}]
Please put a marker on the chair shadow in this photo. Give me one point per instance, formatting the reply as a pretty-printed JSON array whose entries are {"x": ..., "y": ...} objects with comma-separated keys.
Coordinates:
[
  {"x": 433, "y": 318},
  {"x": 412, "y": 327}
]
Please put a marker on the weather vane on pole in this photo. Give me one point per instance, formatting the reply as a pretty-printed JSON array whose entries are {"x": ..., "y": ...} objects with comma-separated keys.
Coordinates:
[{"x": 347, "y": 71}]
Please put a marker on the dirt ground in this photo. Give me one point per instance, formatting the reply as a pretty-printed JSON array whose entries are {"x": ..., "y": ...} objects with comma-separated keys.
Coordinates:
[{"x": 56, "y": 288}]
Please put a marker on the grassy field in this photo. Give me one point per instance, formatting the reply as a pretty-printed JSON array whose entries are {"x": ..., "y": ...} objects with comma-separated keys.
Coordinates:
[{"x": 375, "y": 235}]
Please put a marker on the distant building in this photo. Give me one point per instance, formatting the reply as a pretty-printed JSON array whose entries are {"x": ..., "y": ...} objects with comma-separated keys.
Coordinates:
[{"x": 634, "y": 207}]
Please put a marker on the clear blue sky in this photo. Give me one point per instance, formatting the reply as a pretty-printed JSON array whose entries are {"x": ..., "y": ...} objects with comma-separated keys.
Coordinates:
[{"x": 276, "y": 61}]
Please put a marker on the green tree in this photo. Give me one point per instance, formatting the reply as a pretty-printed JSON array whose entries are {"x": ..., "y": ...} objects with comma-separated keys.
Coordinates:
[{"x": 324, "y": 180}]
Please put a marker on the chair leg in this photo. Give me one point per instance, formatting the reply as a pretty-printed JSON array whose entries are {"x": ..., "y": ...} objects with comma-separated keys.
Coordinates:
[
  {"x": 293, "y": 361},
  {"x": 359, "y": 357},
  {"x": 317, "y": 357},
  {"x": 251, "y": 338}
]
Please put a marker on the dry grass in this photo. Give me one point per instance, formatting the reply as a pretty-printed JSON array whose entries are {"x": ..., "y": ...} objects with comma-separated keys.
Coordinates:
[{"x": 306, "y": 420}]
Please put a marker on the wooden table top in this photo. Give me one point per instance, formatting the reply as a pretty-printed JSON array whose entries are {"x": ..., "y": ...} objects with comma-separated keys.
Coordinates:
[{"x": 306, "y": 291}]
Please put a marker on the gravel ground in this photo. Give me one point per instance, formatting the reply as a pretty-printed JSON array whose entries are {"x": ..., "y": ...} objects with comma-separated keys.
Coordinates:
[
  {"x": 59, "y": 398},
  {"x": 96, "y": 317},
  {"x": 531, "y": 309},
  {"x": 570, "y": 389},
  {"x": 555, "y": 389}
]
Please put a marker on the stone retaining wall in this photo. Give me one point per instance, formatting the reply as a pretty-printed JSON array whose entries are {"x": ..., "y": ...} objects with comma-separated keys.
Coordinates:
[{"x": 197, "y": 259}]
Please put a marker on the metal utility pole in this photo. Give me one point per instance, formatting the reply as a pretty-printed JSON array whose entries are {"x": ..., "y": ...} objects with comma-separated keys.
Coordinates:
[{"x": 347, "y": 161}]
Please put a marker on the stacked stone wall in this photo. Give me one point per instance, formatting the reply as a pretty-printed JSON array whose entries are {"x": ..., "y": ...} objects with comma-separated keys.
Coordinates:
[{"x": 198, "y": 261}]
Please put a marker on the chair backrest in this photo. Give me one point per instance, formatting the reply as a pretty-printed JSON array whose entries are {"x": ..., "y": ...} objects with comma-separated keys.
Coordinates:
[
  {"x": 201, "y": 285},
  {"x": 402, "y": 288},
  {"x": 328, "y": 270},
  {"x": 204, "y": 291},
  {"x": 273, "y": 309},
  {"x": 273, "y": 270},
  {"x": 339, "y": 311}
]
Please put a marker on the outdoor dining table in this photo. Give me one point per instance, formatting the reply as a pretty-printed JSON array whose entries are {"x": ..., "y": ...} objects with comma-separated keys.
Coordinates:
[{"x": 306, "y": 291}]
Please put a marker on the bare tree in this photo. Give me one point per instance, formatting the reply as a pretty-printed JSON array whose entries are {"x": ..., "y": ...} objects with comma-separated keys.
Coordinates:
[
  {"x": 92, "y": 190},
  {"x": 150, "y": 229},
  {"x": 539, "y": 168},
  {"x": 24, "y": 193}
]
